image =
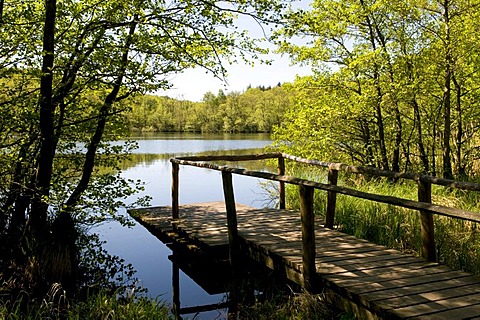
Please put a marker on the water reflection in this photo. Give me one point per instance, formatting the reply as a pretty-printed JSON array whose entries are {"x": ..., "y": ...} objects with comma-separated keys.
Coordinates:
[
  {"x": 150, "y": 257},
  {"x": 242, "y": 285},
  {"x": 189, "y": 143}
]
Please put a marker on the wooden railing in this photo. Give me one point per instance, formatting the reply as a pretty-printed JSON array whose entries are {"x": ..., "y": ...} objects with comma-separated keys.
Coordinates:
[{"x": 306, "y": 191}]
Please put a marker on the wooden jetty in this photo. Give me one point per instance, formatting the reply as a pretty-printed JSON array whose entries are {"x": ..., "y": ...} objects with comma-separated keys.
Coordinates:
[{"x": 367, "y": 279}]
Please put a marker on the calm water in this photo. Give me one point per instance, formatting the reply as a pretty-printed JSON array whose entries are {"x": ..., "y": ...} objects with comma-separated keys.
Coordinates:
[{"x": 148, "y": 255}]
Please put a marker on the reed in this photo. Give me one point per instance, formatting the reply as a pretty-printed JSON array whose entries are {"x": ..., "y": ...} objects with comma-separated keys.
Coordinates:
[
  {"x": 97, "y": 306},
  {"x": 457, "y": 241}
]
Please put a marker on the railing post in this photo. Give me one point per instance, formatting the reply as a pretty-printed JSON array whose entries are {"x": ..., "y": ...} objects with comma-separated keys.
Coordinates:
[
  {"x": 426, "y": 221},
  {"x": 281, "y": 184},
  {"x": 233, "y": 244},
  {"x": 331, "y": 199},
  {"x": 176, "y": 290},
  {"x": 308, "y": 237},
  {"x": 175, "y": 169}
]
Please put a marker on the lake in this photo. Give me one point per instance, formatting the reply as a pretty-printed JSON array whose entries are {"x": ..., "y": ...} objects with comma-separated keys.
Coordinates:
[{"x": 146, "y": 253}]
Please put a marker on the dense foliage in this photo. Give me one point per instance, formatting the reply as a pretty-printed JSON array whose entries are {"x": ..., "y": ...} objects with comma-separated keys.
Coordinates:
[
  {"x": 255, "y": 110},
  {"x": 395, "y": 84},
  {"x": 66, "y": 66}
]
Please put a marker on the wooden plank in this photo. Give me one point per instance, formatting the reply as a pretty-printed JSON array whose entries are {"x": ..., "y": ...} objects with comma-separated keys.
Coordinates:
[
  {"x": 331, "y": 268},
  {"x": 359, "y": 257},
  {"x": 431, "y": 310},
  {"x": 382, "y": 285},
  {"x": 382, "y": 280},
  {"x": 397, "y": 268},
  {"x": 459, "y": 313},
  {"x": 426, "y": 297},
  {"x": 365, "y": 277},
  {"x": 421, "y": 288}
]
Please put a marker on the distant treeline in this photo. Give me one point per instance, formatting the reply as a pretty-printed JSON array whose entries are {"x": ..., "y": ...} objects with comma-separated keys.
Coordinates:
[{"x": 255, "y": 110}]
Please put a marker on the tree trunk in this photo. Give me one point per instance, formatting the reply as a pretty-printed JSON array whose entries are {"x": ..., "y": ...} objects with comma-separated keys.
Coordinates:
[
  {"x": 396, "y": 110},
  {"x": 421, "y": 146},
  {"x": 459, "y": 134},
  {"x": 38, "y": 213},
  {"x": 378, "y": 109},
  {"x": 89, "y": 163},
  {"x": 447, "y": 162}
]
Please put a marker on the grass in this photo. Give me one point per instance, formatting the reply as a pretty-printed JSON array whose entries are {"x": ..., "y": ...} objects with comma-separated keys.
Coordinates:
[
  {"x": 457, "y": 241},
  {"x": 101, "y": 306},
  {"x": 295, "y": 307}
]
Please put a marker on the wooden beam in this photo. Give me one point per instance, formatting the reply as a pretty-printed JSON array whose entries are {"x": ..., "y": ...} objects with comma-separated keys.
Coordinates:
[
  {"x": 388, "y": 174},
  {"x": 426, "y": 222},
  {"x": 308, "y": 238},
  {"x": 176, "y": 291},
  {"x": 405, "y": 203},
  {"x": 331, "y": 199},
  {"x": 281, "y": 184},
  {"x": 175, "y": 179},
  {"x": 233, "y": 243},
  {"x": 246, "y": 157}
]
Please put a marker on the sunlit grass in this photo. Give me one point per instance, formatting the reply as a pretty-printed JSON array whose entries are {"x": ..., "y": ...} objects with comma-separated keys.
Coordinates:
[
  {"x": 457, "y": 241},
  {"x": 295, "y": 307},
  {"x": 97, "y": 306}
]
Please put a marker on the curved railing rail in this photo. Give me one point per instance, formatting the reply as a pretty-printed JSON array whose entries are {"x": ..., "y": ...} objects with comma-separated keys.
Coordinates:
[{"x": 423, "y": 205}]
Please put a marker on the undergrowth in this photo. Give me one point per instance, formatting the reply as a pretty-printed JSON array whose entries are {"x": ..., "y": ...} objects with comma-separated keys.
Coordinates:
[
  {"x": 100, "y": 305},
  {"x": 294, "y": 307},
  {"x": 457, "y": 241}
]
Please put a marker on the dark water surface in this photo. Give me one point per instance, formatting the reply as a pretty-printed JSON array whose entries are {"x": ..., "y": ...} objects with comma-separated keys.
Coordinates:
[{"x": 146, "y": 253}]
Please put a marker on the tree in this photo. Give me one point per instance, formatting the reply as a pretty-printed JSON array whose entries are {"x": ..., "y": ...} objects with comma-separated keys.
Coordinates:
[
  {"x": 401, "y": 63},
  {"x": 67, "y": 66}
]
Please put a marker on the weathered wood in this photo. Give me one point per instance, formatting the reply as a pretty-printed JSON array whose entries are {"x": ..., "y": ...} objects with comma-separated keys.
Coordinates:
[
  {"x": 176, "y": 291},
  {"x": 246, "y": 157},
  {"x": 426, "y": 222},
  {"x": 204, "y": 308},
  {"x": 231, "y": 218},
  {"x": 331, "y": 199},
  {"x": 308, "y": 237},
  {"x": 281, "y": 184},
  {"x": 175, "y": 179},
  {"x": 388, "y": 174},
  {"x": 384, "y": 281},
  {"x": 405, "y": 203}
]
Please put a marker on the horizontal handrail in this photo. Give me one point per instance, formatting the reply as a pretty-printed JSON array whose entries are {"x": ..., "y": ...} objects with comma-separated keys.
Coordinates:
[
  {"x": 400, "y": 202},
  {"x": 385, "y": 173},
  {"x": 423, "y": 205},
  {"x": 372, "y": 171},
  {"x": 247, "y": 157}
]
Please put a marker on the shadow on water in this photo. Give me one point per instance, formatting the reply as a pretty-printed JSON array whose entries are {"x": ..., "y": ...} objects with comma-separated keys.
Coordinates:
[
  {"x": 242, "y": 285},
  {"x": 202, "y": 280}
]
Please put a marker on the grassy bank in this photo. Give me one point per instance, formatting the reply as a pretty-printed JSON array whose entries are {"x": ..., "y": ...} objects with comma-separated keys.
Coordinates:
[
  {"x": 457, "y": 241},
  {"x": 98, "y": 306},
  {"x": 103, "y": 306}
]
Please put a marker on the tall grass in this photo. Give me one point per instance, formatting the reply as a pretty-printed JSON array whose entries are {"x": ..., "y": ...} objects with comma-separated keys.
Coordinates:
[
  {"x": 295, "y": 307},
  {"x": 101, "y": 306},
  {"x": 457, "y": 241}
]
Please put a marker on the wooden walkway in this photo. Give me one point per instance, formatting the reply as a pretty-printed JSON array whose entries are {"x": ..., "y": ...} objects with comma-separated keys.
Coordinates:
[{"x": 377, "y": 282}]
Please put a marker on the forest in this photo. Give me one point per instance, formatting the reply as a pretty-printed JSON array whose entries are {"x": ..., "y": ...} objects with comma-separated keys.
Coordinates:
[
  {"x": 394, "y": 85},
  {"x": 255, "y": 110}
]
